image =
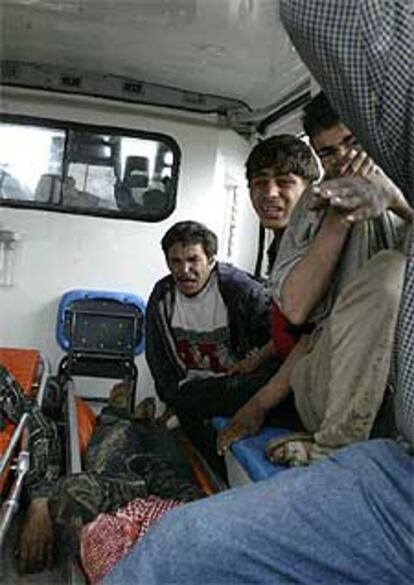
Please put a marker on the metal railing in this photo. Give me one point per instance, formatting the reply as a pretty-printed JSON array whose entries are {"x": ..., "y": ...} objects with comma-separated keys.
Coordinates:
[{"x": 22, "y": 461}]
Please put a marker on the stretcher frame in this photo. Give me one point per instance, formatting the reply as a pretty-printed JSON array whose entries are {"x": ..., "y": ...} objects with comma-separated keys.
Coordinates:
[{"x": 19, "y": 463}]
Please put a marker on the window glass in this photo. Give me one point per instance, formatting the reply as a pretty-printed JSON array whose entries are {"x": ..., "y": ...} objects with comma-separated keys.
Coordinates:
[{"x": 96, "y": 171}]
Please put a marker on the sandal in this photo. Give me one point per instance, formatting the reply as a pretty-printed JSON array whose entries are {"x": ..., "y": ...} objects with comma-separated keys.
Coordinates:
[{"x": 289, "y": 449}]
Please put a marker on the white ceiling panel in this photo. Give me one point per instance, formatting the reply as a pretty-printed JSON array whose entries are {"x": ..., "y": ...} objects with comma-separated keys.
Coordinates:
[{"x": 231, "y": 48}]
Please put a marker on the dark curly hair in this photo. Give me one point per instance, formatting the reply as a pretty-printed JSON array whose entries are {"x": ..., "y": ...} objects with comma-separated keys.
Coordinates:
[
  {"x": 318, "y": 115},
  {"x": 285, "y": 154},
  {"x": 190, "y": 233}
]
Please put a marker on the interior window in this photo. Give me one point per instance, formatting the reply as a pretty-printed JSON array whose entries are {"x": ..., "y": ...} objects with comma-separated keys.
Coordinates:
[{"x": 89, "y": 170}]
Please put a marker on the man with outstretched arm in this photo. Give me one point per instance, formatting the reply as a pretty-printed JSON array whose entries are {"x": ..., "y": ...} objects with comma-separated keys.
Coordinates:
[
  {"x": 320, "y": 253},
  {"x": 278, "y": 170}
]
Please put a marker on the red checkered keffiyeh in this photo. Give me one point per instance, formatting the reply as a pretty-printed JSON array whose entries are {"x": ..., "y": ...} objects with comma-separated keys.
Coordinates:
[{"x": 108, "y": 538}]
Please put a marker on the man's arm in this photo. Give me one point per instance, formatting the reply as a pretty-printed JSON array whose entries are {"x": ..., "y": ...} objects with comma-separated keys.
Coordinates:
[
  {"x": 361, "y": 193},
  {"x": 310, "y": 278},
  {"x": 402, "y": 208},
  {"x": 254, "y": 359},
  {"x": 249, "y": 419},
  {"x": 362, "y": 199},
  {"x": 371, "y": 202}
]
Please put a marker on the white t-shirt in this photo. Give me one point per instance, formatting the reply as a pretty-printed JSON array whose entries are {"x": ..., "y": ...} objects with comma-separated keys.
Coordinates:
[{"x": 200, "y": 326}]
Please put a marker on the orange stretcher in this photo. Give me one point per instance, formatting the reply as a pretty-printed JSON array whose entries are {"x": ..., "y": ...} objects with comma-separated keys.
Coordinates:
[
  {"x": 23, "y": 364},
  {"x": 31, "y": 371}
]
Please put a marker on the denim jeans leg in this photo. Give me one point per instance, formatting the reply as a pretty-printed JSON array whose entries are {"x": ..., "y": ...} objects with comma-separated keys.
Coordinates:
[{"x": 347, "y": 519}]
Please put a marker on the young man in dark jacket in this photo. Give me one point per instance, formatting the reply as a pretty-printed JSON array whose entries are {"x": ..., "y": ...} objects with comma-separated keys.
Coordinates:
[{"x": 201, "y": 320}]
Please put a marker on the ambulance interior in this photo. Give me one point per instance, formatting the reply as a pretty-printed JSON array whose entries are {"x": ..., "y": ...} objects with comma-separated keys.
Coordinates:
[{"x": 119, "y": 119}]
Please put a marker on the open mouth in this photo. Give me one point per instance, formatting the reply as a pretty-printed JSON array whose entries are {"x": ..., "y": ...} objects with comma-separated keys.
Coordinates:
[
  {"x": 273, "y": 211},
  {"x": 187, "y": 283}
]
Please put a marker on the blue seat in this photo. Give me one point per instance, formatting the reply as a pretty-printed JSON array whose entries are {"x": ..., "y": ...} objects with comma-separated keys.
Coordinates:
[
  {"x": 249, "y": 452},
  {"x": 101, "y": 333}
]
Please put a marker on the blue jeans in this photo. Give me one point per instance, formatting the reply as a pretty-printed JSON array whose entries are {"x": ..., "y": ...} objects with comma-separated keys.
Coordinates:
[{"x": 345, "y": 520}]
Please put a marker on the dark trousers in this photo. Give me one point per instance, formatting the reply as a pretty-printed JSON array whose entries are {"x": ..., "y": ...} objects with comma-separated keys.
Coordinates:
[{"x": 201, "y": 399}]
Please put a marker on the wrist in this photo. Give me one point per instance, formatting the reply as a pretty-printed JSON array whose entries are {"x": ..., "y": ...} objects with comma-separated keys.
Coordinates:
[
  {"x": 399, "y": 205},
  {"x": 396, "y": 201},
  {"x": 392, "y": 197},
  {"x": 337, "y": 222}
]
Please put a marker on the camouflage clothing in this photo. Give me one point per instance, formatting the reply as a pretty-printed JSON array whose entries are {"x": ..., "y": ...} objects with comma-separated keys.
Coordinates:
[
  {"x": 44, "y": 443},
  {"x": 45, "y": 456},
  {"x": 125, "y": 460}
]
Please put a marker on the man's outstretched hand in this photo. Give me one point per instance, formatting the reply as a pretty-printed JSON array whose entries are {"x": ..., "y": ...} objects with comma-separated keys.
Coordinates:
[
  {"x": 356, "y": 198},
  {"x": 247, "y": 421}
]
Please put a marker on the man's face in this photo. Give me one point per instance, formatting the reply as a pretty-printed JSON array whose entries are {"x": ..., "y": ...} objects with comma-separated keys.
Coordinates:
[
  {"x": 274, "y": 197},
  {"x": 190, "y": 267},
  {"x": 336, "y": 147}
]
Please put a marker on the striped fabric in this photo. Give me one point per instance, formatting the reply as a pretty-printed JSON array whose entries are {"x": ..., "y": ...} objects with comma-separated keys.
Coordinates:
[{"x": 362, "y": 54}]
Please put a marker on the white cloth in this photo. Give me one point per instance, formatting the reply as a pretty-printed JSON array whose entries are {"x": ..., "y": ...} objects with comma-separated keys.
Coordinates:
[{"x": 201, "y": 331}]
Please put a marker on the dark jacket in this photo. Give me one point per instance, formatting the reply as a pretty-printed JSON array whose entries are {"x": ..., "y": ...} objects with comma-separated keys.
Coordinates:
[{"x": 249, "y": 311}]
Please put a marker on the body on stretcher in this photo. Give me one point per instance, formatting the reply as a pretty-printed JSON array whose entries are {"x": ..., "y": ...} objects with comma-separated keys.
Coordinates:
[
  {"x": 15, "y": 461},
  {"x": 76, "y": 464}
]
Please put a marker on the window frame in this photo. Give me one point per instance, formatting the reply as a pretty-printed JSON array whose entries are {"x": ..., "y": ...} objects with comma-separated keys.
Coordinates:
[{"x": 65, "y": 125}]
